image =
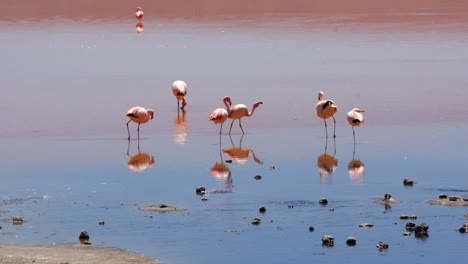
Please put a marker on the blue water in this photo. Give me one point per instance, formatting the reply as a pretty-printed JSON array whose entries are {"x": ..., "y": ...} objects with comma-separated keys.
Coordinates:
[{"x": 67, "y": 85}]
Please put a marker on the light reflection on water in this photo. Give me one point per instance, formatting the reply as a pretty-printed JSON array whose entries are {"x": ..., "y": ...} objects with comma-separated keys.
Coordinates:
[{"x": 71, "y": 87}]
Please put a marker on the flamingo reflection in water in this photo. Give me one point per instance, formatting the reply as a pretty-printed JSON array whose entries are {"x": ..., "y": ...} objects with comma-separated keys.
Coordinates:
[
  {"x": 139, "y": 27},
  {"x": 180, "y": 128},
  {"x": 240, "y": 155},
  {"x": 327, "y": 163},
  {"x": 140, "y": 161},
  {"x": 222, "y": 173}
]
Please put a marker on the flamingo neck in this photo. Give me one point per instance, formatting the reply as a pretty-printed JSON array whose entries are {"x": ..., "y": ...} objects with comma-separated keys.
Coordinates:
[{"x": 253, "y": 109}]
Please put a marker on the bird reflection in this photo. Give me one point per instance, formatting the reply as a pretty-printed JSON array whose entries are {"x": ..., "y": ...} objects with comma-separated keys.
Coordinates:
[
  {"x": 240, "y": 155},
  {"x": 139, "y": 162},
  {"x": 180, "y": 127},
  {"x": 222, "y": 173},
  {"x": 356, "y": 168},
  {"x": 327, "y": 163},
  {"x": 139, "y": 27}
]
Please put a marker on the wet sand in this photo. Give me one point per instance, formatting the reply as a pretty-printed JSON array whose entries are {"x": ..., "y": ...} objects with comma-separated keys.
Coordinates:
[{"x": 13, "y": 254}]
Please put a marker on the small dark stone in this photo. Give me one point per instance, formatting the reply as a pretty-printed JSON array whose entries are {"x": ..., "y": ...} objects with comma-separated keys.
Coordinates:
[
  {"x": 442, "y": 196},
  {"x": 406, "y": 233},
  {"x": 200, "y": 190},
  {"x": 466, "y": 214},
  {"x": 323, "y": 201},
  {"x": 311, "y": 229},
  {"x": 413, "y": 217},
  {"x": 463, "y": 228},
  {"x": 408, "y": 182},
  {"x": 272, "y": 167},
  {"x": 410, "y": 226},
  {"x": 262, "y": 210},
  {"x": 351, "y": 241},
  {"x": 367, "y": 225},
  {"x": 328, "y": 241},
  {"x": 257, "y": 177},
  {"x": 229, "y": 161},
  {"x": 404, "y": 217},
  {"x": 331, "y": 209},
  {"x": 454, "y": 198},
  {"x": 382, "y": 245},
  {"x": 421, "y": 228},
  {"x": 290, "y": 206},
  {"x": 204, "y": 199},
  {"x": 101, "y": 222},
  {"x": 256, "y": 221},
  {"x": 84, "y": 237}
]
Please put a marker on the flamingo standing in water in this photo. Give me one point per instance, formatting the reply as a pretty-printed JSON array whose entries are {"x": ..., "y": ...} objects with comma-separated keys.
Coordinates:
[
  {"x": 139, "y": 115},
  {"x": 238, "y": 111},
  {"x": 326, "y": 109},
  {"x": 179, "y": 89},
  {"x": 139, "y": 13},
  {"x": 355, "y": 118},
  {"x": 219, "y": 116}
]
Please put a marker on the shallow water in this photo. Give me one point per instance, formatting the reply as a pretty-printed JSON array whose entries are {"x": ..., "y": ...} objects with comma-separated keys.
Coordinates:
[{"x": 69, "y": 78}]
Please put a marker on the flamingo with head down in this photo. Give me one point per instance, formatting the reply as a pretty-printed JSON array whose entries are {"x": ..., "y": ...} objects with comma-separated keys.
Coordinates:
[
  {"x": 355, "y": 118},
  {"x": 139, "y": 13},
  {"x": 179, "y": 89}
]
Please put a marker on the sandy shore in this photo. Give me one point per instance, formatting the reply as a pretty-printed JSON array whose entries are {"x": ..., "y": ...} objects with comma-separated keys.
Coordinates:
[{"x": 69, "y": 253}]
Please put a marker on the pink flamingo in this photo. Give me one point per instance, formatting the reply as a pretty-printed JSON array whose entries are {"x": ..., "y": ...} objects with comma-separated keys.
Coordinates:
[
  {"x": 139, "y": 13},
  {"x": 355, "y": 118},
  {"x": 139, "y": 115},
  {"x": 326, "y": 109},
  {"x": 239, "y": 111},
  {"x": 219, "y": 116},
  {"x": 179, "y": 89}
]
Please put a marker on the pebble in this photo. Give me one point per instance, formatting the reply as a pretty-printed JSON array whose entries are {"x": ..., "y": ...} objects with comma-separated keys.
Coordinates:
[
  {"x": 328, "y": 240},
  {"x": 256, "y": 221},
  {"x": 421, "y": 228},
  {"x": 290, "y": 206},
  {"x": 382, "y": 245},
  {"x": 413, "y": 217},
  {"x": 84, "y": 238},
  {"x": 262, "y": 210},
  {"x": 404, "y": 217},
  {"x": 18, "y": 220},
  {"x": 258, "y": 177},
  {"x": 323, "y": 201},
  {"x": 229, "y": 161},
  {"x": 407, "y": 233},
  {"x": 331, "y": 209},
  {"x": 272, "y": 167},
  {"x": 466, "y": 215},
  {"x": 311, "y": 229},
  {"x": 200, "y": 190},
  {"x": 454, "y": 198},
  {"x": 204, "y": 199},
  {"x": 101, "y": 222},
  {"x": 351, "y": 241},
  {"x": 367, "y": 225},
  {"x": 442, "y": 196},
  {"x": 408, "y": 182},
  {"x": 463, "y": 228}
]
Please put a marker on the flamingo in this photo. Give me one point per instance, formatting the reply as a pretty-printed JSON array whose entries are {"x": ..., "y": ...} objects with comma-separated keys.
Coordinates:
[
  {"x": 139, "y": 27},
  {"x": 139, "y": 13},
  {"x": 139, "y": 115},
  {"x": 326, "y": 109},
  {"x": 355, "y": 118},
  {"x": 239, "y": 111},
  {"x": 219, "y": 116},
  {"x": 179, "y": 89}
]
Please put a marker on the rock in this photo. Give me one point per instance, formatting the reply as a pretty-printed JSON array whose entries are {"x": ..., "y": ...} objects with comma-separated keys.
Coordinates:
[
  {"x": 463, "y": 228},
  {"x": 161, "y": 208},
  {"x": 442, "y": 196},
  {"x": 229, "y": 161},
  {"x": 262, "y": 210},
  {"x": 84, "y": 238},
  {"x": 410, "y": 226},
  {"x": 101, "y": 222},
  {"x": 258, "y": 177},
  {"x": 466, "y": 214},
  {"x": 204, "y": 199},
  {"x": 323, "y": 201},
  {"x": 455, "y": 198},
  {"x": 311, "y": 229},
  {"x": 421, "y": 228},
  {"x": 351, "y": 241},
  {"x": 328, "y": 240},
  {"x": 382, "y": 245},
  {"x": 407, "y": 233},
  {"x": 290, "y": 206},
  {"x": 200, "y": 191},
  {"x": 413, "y": 217},
  {"x": 272, "y": 167},
  {"x": 256, "y": 221},
  {"x": 366, "y": 225},
  {"x": 17, "y": 220},
  {"x": 404, "y": 217},
  {"x": 408, "y": 182},
  {"x": 331, "y": 209}
]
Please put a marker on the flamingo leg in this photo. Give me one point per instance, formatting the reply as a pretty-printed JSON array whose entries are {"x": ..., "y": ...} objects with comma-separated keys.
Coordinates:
[
  {"x": 231, "y": 126},
  {"x": 241, "y": 126},
  {"x": 138, "y": 129},
  {"x": 334, "y": 125},
  {"x": 220, "y": 129},
  {"x": 128, "y": 130},
  {"x": 178, "y": 104},
  {"x": 326, "y": 132}
]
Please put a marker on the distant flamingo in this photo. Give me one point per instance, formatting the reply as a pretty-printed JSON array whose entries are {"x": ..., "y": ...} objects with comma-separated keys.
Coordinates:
[
  {"x": 139, "y": 27},
  {"x": 355, "y": 118},
  {"x": 219, "y": 116},
  {"x": 139, "y": 13},
  {"x": 179, "y": 89},
  {"x": 239, "y": 111},
  {"x": 139, "y": 115},
  {"x": 326, "y": 109}
]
